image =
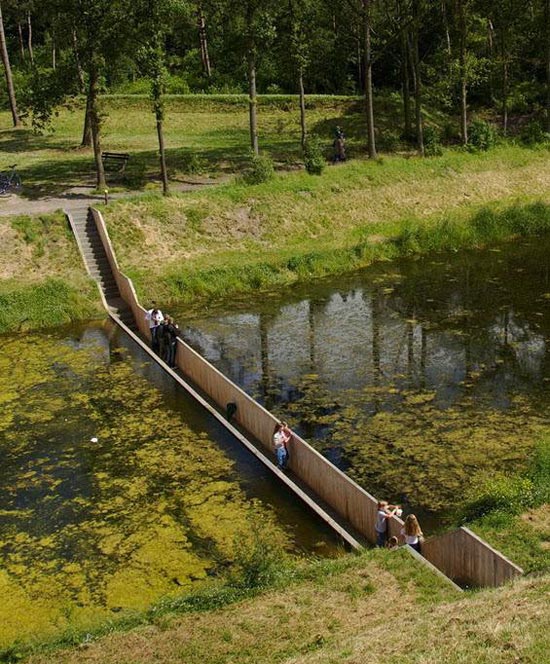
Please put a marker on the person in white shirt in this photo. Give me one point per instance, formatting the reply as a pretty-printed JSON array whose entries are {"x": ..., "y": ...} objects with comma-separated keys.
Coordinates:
[
  {"x": 281, "y": 437},
  {"x": 154, "y": 317},
  {"x": 412, "y": 533},
  {"x": 384, "y": 512}
]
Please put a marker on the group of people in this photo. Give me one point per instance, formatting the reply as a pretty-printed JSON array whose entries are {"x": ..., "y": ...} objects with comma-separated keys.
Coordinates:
[
  {"x": 410, "y": 534},
  {"x": 164, "y": 335}
]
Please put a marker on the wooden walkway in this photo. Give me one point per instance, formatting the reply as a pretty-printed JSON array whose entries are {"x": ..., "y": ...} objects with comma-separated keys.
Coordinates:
[{"x": 332, "y": 495}]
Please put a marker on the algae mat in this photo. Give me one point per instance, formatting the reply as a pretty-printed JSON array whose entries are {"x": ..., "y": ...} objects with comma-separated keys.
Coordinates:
[
  {"x": 419, "y": 377},
  {"x": 108, "y": 499}
]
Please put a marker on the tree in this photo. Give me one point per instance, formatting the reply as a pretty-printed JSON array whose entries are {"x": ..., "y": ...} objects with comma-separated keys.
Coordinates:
[
  {"x": 300, "y": 17},
  {"x": 7, "y": 71},
  {"x": 369, "y": 96}
]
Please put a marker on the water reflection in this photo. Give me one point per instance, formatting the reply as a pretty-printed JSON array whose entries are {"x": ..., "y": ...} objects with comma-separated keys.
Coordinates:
[{"x": 421, "y": 339}]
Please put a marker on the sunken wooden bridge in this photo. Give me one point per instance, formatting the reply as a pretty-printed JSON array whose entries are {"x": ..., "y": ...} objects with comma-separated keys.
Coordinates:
[{"x": 347, "y": 508}]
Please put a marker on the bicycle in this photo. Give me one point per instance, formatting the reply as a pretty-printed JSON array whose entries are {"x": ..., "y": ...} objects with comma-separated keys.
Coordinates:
[{"x": 10, "y": 181}]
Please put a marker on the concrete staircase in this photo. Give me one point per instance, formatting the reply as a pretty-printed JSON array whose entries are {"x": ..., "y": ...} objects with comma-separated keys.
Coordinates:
[{"x": 98, "y": 265}]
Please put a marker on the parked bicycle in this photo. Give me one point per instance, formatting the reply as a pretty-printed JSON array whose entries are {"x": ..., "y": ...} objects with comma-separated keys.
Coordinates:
[{"x": 10, "y": 181}]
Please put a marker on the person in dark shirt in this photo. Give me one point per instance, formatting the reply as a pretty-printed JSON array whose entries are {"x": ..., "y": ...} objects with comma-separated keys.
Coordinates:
[{"x": 171, "y": 332}]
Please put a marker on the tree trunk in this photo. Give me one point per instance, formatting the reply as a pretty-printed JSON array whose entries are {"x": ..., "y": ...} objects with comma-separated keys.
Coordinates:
[
  {"x": 54, "y": 55},
  {"x": 491, "y": 47},
  {"x": 7, "y": 71},
  {"x": 505, "y": 86},
  {"x": 417, "y": 80},
  {"x": 79, "y": 70},
  {"x": 448, "y": 46},
  {"x": 303, "y": 126},
  {"x": 203, "y": 41},
  {"x": 252, "y": 101},
  {"x": 162, "y": 154},
  {"x": 95, "y": 124},
  {"x": 87, "y": 131},
  {"x": 369, "y": 105},
  {"x": 463, "y": 74},
  {"x": 406, "y": 85},
  {"x": 29, "y": 37},
  {"x": 547, "y": 54},
  {"x": 156, "y": 86},
  {"x": 21, "y": 44}
]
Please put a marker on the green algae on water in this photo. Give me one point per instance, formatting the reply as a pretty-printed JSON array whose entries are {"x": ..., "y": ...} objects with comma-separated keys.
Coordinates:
[{"x": 109, "y": 500}]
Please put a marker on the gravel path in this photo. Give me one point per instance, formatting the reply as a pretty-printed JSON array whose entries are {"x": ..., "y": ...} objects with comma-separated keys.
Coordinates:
[{"x": 78, "y": 198}]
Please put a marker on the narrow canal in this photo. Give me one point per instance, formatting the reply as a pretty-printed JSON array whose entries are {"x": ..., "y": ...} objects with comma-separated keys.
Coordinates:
[{"x": 417, "y": 377}]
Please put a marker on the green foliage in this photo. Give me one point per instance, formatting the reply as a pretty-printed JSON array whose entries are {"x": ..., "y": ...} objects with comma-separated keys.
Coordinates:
[
  {"x": 499, "y": 493},
  {"x": 432, "y": 142},
  {"x": 50, "y": 303},
  {"x": 261, "y": 169},
  {"x": 314, "y": 159},
  {"x": 482, "y": 136},
  {"x": 534, "y": 134},
  {"x": 69, "y": 401},
  {"x": 258, "y": 559}
]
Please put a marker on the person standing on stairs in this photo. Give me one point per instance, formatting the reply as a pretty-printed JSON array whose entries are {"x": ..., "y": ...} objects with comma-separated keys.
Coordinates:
[{"x": 154, "y": 317}]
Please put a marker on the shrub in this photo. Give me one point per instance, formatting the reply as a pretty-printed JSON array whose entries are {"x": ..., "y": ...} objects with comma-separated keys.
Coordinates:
[
  {"x": 261, "y": 169},
  {"x": 432, "y": 142},
  {"x": 314, "y": 159},
  {"x": 482, "y": 136},
  {"x": 258, "y": 558},
  {"x": 500, "y": 493},
  {"x": 534, "y": 134},
  {"x": 388, "y": 141}
]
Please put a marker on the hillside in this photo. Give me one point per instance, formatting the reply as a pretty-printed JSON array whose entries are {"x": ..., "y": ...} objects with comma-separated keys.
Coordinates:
[{"x": 379, "y": 607}]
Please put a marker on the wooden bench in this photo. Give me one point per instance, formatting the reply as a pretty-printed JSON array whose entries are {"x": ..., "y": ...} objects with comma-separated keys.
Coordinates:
[{"x": 115, "y": 161}]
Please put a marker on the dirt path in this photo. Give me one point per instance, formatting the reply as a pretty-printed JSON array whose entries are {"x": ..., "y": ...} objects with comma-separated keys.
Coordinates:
[{"x": 81, "y": 197}]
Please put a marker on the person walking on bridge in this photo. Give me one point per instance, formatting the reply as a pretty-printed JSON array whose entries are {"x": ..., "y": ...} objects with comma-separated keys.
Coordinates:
[
  {"x": 171, "y": 333},
  {"x": 154, "y": 317},
  {"x": 383, "y": 514},
  {"x": 281, "y": 438}
]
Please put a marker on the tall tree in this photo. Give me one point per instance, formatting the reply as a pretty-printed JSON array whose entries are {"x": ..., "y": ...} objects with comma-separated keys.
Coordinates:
[
  {"x": 7, "y": 71},
  {"x": 203, "y": 40},
  {"x": 462, "y": 25},
  {"x": 369, "y": 94}
]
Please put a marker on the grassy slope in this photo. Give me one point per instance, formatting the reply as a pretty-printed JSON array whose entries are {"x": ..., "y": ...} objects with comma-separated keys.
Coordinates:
[
  {"x": 298, "y": 226},
  {"x": 379, "y": 607},
  {"x": 43, "y": 280}
]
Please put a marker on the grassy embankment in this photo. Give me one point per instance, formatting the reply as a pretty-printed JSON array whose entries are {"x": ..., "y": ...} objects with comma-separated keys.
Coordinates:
[
  {"x": 43, "y": 282},
  {"x": 294, "y": 227},
  {"x": 241, "y": 238},
  {"x": 376, "y": 607}
]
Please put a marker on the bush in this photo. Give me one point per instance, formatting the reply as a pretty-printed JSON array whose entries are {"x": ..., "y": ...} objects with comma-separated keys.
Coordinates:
[
  {"x": 482, "y": 136},
  {"x": 258, "y": 559},
  {"x": 261, "y": 169},
  {"x": 314, "y": 159},
  {"x": 509, "y": 495},
  {"x": 432, "y": 142},
  {"x": 388, "y": 141},
  {"x": 534, "y": 134}
]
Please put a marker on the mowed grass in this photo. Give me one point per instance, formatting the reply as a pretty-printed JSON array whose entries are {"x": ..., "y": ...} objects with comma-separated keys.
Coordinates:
[
  {"x": 203, "y": 136},
  {"x": 239, "y": 238},
  {"x": 378, "y": 607}
]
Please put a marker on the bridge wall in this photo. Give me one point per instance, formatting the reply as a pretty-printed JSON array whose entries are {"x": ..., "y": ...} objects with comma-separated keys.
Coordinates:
[{"x": 459, "y": 554}]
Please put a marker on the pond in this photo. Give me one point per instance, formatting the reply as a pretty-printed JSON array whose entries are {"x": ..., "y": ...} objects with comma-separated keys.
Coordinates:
[
  {"x": 116, "y": 489},
  {"x": 417, "y": 377}
]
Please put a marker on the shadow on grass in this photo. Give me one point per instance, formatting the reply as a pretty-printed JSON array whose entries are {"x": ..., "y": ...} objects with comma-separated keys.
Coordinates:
[{"x": 26, "y": 140}]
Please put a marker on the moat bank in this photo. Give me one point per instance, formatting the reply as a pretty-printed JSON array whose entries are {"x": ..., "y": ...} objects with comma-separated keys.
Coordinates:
[{"x": 235, "y": 238}]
